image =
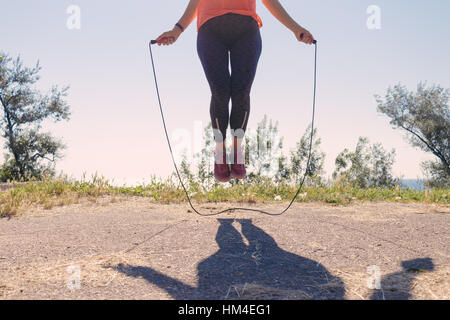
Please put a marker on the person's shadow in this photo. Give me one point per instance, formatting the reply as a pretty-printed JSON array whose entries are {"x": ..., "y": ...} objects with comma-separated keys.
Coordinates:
[
  {"x": 397, "y": 285},
  {"x": 257, "y": 270}
]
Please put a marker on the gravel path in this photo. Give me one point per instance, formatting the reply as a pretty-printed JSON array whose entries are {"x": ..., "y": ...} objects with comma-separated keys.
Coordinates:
[{"x": 134, "y": 249}]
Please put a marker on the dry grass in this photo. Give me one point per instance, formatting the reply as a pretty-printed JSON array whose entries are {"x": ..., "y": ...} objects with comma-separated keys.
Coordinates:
[
  {"x": 258, "y": 292},
  {"x": 50, "y": 193}
]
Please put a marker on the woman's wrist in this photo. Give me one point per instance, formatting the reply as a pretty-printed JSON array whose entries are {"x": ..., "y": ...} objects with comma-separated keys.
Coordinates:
[
  {"x": 295, "y": 27},
  {"x": 177, "y": 30},
  {"x": 179, "y": 27}
]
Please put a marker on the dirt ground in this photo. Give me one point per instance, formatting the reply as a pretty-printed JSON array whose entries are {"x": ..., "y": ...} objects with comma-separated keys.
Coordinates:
[{"x": 131, "y": 248}]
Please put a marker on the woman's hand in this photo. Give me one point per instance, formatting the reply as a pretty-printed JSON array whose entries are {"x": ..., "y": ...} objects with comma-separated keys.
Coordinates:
[
  {"x": 169, "y": 37},
  {"x": 307, "y": 36}
]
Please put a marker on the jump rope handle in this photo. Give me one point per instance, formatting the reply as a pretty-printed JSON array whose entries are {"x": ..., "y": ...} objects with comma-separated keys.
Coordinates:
[
  {"x": 155, "y": 41},
  {"x": 302, "y": 35}
]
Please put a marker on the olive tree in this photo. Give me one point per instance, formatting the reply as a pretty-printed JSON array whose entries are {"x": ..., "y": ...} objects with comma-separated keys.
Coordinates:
[
  {"x": 425, "y": 117},
  {"x": 30, "y": 151}
]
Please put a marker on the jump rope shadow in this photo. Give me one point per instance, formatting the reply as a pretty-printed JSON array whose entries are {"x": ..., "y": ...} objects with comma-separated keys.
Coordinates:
[{"x": 257, "y": 270}]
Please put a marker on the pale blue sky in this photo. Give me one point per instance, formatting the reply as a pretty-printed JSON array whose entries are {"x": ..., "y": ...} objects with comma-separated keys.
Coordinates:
[{"x": 116, "y": 128}]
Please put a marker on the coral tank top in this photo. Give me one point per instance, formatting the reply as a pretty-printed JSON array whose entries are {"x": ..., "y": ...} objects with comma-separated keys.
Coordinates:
[{"x": 208, "y": 9}]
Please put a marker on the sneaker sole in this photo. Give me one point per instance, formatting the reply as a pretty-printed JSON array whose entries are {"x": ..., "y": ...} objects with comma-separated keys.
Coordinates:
[
  {"x": 223, "y": 180},
  {"x": 238, "y": 176}
]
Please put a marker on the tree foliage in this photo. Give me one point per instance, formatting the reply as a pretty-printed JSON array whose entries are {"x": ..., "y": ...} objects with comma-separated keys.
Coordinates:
[
  {"x": 264, "y": 156},
  {"x": 205, "y": 157},
  {"x": 425, "y": 117},
  {"x": 31, "y": 152},
  {"x": 367, "y": 166},
  {"x": 299, "y": 158},
  {"x": 264, "y": 148}
]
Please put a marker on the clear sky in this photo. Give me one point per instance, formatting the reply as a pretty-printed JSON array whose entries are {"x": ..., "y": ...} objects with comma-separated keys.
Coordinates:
[{"x": 116, "y": 128}]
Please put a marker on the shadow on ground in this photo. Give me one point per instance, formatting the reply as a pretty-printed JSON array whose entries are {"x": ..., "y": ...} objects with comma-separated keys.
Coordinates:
[
  {"x": 398, "y": 285},
  {"x": 257, "y": 270}
]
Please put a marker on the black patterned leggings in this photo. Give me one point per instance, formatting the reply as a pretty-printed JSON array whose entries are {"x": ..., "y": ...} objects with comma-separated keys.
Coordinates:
[{"x": 230, "y": 38}]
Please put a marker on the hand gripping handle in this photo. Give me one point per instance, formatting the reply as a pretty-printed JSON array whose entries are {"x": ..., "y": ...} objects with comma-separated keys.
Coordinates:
[{"x": 302, "y": 35}]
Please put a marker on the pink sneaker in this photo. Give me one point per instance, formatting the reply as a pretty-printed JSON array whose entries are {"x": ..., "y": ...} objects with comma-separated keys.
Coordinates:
[
  {"x": 238, "y": 170},
  {"x": 222, "y": 171}
]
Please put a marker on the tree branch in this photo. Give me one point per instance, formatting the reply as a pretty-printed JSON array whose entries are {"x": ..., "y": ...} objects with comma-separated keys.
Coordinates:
[
  {"x": 433, "y": 150},
  {"x": 40, "y": 155}
]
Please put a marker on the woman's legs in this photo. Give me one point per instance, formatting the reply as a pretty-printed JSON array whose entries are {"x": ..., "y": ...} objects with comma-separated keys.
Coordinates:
[{"x": 223, "y": 38}]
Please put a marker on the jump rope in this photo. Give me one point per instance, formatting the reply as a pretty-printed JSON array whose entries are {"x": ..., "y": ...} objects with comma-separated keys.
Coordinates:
[
  {"x": 238, "y": 208},
  {"x": 258, "y": 210}
]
